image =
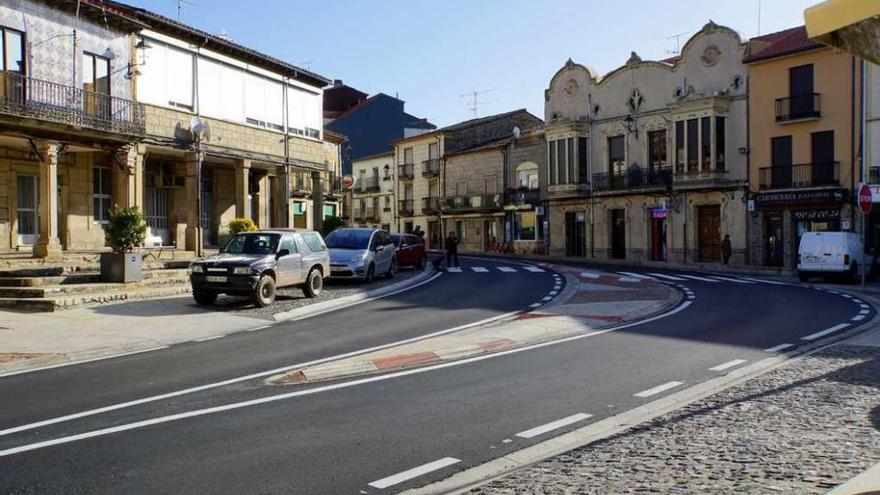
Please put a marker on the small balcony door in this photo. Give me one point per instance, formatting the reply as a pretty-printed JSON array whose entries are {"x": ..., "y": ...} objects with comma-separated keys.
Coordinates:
[
  {"x": 28, "y": 209},
  {"x": 781, "y": 161},
  {"x": 822, "y": 149},
  {"x": 800, "y": 89}
]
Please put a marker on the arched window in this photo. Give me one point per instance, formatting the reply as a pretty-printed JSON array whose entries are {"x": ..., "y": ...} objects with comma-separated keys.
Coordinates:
[{"x": 527, "y": 175}]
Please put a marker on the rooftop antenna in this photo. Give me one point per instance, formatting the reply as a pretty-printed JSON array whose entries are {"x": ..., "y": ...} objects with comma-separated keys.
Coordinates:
[
  {"x": 181, "y": 4},
  {"x": 759, "y": 17},
  {"x": 307, "y": 64},
  {"x": 677, "y": 38},
  {"x": 475, "y": 103}
]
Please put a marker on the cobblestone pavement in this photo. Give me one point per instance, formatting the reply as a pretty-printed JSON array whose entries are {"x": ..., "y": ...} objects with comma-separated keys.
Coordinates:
[
  {"x": 292, "y": 297},
  {"x": 801, "y": 428}
]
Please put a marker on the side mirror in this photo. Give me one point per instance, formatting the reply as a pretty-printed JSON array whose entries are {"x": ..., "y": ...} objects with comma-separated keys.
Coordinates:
[{"x": 282, "y": 252}]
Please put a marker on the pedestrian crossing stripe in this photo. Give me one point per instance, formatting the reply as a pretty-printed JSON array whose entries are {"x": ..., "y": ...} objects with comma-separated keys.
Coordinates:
[
  {"x": 534, "y": 269},
  {"x": 454, "y": 269},
  {"x": 506, "y": 269},
  {"x": 701, "y": 279},
  {"x": 667, "y": 277},
  {"x": 728, "y": 279},
  {"x": 636, "y": 275},
  {"x": 479, "y": 269}
]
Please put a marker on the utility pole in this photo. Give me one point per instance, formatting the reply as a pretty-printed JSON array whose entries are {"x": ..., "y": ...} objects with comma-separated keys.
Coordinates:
[{"x": 475, "y": 102}]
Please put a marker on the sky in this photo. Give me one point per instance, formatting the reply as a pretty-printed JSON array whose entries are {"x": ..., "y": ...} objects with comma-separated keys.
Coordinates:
[{"x": 432, "y": 54}]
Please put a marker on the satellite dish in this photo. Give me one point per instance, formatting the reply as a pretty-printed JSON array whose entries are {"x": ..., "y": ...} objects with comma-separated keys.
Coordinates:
[
  {"x": 196, "y": 126},
  {"x": 516, "y": 133}
]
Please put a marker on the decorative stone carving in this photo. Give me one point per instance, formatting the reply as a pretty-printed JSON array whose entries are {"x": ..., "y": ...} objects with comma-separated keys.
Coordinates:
[
  {"x": 571, "y": 88},
  {"x": 711, "y": 56},
  {"x": 635, "y": 100},
  {"x": 634, "y": 59}
]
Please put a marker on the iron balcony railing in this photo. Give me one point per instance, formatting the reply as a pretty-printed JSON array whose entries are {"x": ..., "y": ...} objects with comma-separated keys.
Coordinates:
[
  {"x": 522, "y": 196},
  {"x": 371, "y": 213},
  {"x": 301, "y": 183},
  {"x": 798, "y": 107},
  {"x": 332, "y": 186},
  {"x": 405, "y": 171},
  {"x": 431, "y": 205},
  {"x": 405, "y": 207},
  {"x": 358, "y": 215},
  {"x": 800, "y": 175},
  {"x": 633, "y": 178},
  {"x": 370, "y": 184},
  {"x": 874, "y": 175},
  {"x": 431, "y": 167},
  {"x": 24, "y": 96},
  {"x": 477, "y": 202}
]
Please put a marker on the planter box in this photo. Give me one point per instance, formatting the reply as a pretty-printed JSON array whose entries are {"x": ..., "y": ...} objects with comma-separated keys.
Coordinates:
[{"x": 123, "y": 268}]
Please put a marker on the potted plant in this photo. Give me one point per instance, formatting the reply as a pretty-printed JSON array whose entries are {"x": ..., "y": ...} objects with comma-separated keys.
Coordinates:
[
  {"x": 241, "y": 224},
  {"x": 125, "y": 230}
]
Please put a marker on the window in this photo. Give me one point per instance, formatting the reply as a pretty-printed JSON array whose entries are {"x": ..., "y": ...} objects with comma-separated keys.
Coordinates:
[
  {"x": 489, "y": 185},
  {"x": 461, "y": 188},
  {"x": 706, "y": 143},
  {"x": 554, "y": 178},
  {"x": 96, "y": 79},
  {"x": 679, "y": 147},
  {"x": 329, "y": 211},
  {"x": 524, "y": 226},
  {"x": 692, "y": 145},
  {"x": 433, "y": 151},
  {"x": 616, "y": 152},
  {"x": 101, "y": 193},
  {"x": 407, "y": 155},
  {"x": 719, "y": 144},
  {"x": 561, "y": 161},
  {"x": 12, "y": 51},
  {"x": 527, "y": 175},
  {"x": 581, "y": 159},
  {"x": 570, "y": 160},
  {"x": 460, "y": 230},
  {"x": 657, "y": 148},
  {"x": 289, "y": 243},
  {"x": 166, "y": 76},
  {"x": 313, "y": 240}
]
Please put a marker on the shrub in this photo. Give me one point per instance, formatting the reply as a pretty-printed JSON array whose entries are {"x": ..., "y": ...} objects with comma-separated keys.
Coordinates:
[
  {"x": 240, "y": 224},
  {"x": 125, "y": 229},
  {"x": 330, "y": 224}
]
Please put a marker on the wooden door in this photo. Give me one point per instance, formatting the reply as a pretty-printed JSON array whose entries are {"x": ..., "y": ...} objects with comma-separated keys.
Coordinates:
[
  {"x": 780, "y": 148},
  {"x": 709, "y": 233}
]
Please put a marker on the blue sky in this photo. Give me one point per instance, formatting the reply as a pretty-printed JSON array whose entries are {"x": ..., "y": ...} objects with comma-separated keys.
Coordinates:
[{"x": 431, "y": 52}]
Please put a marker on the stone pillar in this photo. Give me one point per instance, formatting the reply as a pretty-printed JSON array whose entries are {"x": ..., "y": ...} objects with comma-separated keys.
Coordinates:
[
  {"x": 129, "y": 183},
  {"x": 49, "y": 246},
  {"x": 283, "y": 195},
  {"x": 317, "y": 201},
  {"x": 192, "y": 188},
  {"x": 261, "y": 216},
  {"x": 242, "y": 173}
]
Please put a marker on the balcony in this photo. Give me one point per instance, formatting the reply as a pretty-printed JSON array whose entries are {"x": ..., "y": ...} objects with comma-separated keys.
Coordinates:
[
  {"x": 568, "y": 190},
  {"x": 480, "y": 202},
  {"x": 801, "y": 175},
  {"x": 358, "y": 215},
  {"x": 332, "y": 187},
  {"x": 405, "y": 171},
  {"x": 405, "y": 207},
  {"x": 369, "y": 184},
  {"x": 633, "y": 178},
  {"x": 300, "y": 185},
  {"x": 371, "y": 214},
  {"x": 431, "y": 167},
  {"x": 431, "y": 205},
  {"x": 522, "y": 197},
  {"x": 22, "y": 96},
  {"x": 801, "y": 107}
]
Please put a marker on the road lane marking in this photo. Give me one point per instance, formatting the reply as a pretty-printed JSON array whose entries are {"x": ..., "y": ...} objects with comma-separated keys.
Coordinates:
[
  {"x": 548, "y": 298},
  {"x": 591, "y": 274},
  {"x": 701, "y": 279},
  {"x": 554, "y": 292},
  {"x": 778, "y": 348},
  {"x": 507, "y": 269},
  {"x": 480, "y": 269},
  {"x": 731, "y": 279},
  {"x": 827, "y": 331},
  {"x": 534, "y": 269},
  {"x": 864, "y": 306},
  {"x": 454, "y": 269},
  {"x": 258, "y": 328},
  {"x": 629, "y": 279},
  {"x": 764, "y": 281},
  {"x": 534, "y": 305},
  {"x": 667, "y": 277},
  {"x": 637, "y": 275},
  {"x": 727, "y": 365},
  {"x": 290, "y": 395},
  {"x": 858, "y": 318},
  {"x": 864, "y": 312},
  {"x": 84, "y": 361},
  {"x": 414, "y": 472},
  {"x": 553, "y": 425},
  {"x": 654, "y": 391},
  {"x": 205, "y": 339}
]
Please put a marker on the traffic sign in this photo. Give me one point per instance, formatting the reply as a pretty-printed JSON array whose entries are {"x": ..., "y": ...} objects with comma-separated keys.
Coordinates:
[
  {"x": 865, "y": 198},
  {"x": 347, "y": 181}
]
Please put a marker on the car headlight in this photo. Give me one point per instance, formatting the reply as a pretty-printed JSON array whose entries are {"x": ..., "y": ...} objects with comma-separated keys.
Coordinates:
[
  {"x": 242, "y": 270},
  {"x": 197, "y": 268}
]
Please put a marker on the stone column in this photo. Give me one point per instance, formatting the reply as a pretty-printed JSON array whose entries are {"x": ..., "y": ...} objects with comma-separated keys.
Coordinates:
[
  {"x": 129, "y": 183},
  {"x": 192, "y": 187},
  {"x": 261, "y": 216},
  {"x": 242, "y": 173},
  {"x": 49, "y": 246},
  {"x": 317, "y": 201}
]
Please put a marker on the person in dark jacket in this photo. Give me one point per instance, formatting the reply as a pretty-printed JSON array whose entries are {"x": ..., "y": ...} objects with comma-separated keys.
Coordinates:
[
  {"x": 451, "y": 249},
  {"x": 726, "y": 249}
]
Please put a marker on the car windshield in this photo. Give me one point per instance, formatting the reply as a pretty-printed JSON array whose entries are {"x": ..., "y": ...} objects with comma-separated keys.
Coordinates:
[
  {"x": 348, "y": 239},
  {"x": 252, "y": 244}
]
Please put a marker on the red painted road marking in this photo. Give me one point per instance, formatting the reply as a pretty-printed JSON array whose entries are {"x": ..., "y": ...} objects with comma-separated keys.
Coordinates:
[{"x": 405, "y": 359}]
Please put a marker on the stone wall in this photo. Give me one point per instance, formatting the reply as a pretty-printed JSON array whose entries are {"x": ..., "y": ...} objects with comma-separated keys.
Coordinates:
[{"x": 480, "y": 172}]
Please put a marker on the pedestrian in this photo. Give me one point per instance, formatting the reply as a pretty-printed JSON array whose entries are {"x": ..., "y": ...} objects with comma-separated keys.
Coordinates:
[
  {"x": 419, "y": 232},
  {"x": 451, "y": 250},
  {"x": 726, "y": 249}
]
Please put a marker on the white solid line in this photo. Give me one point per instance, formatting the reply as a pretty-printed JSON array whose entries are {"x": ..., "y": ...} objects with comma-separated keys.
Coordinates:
[
  {"x": 479, "y": 269},
  {"x": 637, "y": 275},
  {"x": 814, "y": 336},
  {"x": 590, "y": 274},
  {"x": 454, "y": 269},
  {"x": 729, "y": 364},
  {"x": 653, "y": 391},
  {"x": 858, "y": 318},
  {"x": 258, "y": 328},
  {"x": 505, "y": 269},
  {"x": 764, "y": 281},
  {"x": 84, "y": 361},
  {"x": 205, "y": 339},
  {"x": 701, "y": 279},
  {"x": 553, "y": 425},
  {"x": 667, "y": 277},
  {"x": 534, "y": 305},
  {"x": 778, "y": 348},
  {"x": 290, "y": 395},
  {"x": 731, "y": 279},
  {"x": 414, "y": 472},
  {"x": 534, "y": 269}
]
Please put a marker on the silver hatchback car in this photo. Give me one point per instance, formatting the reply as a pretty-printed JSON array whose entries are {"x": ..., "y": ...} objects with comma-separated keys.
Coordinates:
[{"x": 361, "y": 253}]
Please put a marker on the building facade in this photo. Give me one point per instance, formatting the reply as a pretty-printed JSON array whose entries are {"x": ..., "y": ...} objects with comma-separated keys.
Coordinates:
[
  {"x": 647, "y": 164},
  {"x": 803, "y": 147},
  {"x": 373, "y": 192}
]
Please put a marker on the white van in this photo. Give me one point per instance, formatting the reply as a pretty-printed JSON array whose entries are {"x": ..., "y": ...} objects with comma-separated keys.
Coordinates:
[{"x": 830, "y": 253}]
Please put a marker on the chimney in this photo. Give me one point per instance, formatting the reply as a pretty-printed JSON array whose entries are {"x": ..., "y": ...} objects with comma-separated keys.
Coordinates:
[{"x": 337, "y": 83}]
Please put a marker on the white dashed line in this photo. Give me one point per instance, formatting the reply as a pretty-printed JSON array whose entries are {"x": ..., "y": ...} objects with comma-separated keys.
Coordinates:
[
  {"x": 505, "y": 269},
  {"x": 534, "y": 305},
  {"x": 553, "y": 425},
  {"x": 547, "y": 298},
  {"x": 414, "y": 472},
  {"x": 554, "y": 292},
  {"x": 659, "y": 388},
  {"x": 591, "y": 274},
  {"x": 637, "y": 275},
  {"x": 858, "y": 318},
  {"x": 454, "y": 269},
  {"x": 480, "y": 269},
  {"x": 205, "y": 339},
  {"x": 847, "y": 296},
  {"x": 534, "y": 269},
  {"x": 506, "y": 440},
  {"x": 701, "y": 279},
  {"x": 858, "y": 301},
  {"x": 827, "y": 331},
  {"x": 667, "y": 277},
  {"x": 727, "y": 365},
  {"x": 864, "y": 312},
  {"x": 779, "y": 347},
  {"x": 864, "y": 306}
]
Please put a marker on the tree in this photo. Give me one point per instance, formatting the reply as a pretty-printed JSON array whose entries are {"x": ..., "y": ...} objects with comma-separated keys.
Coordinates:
[{"x": 125, "y": 229}]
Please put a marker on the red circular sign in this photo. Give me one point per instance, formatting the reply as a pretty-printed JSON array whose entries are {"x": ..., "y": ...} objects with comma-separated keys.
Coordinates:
[
  {"x": 865, "y": 199},
  {"x": 347, "y": 181}
]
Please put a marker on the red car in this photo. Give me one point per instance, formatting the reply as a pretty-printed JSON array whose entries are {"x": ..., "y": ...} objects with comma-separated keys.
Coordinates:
[{"x": 410, "y": 250}]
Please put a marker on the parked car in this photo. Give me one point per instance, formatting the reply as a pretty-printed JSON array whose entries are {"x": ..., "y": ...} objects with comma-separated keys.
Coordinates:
[
  {"x": 361, "y": 253},
  {"x": 255, "y": 264},
  {"x": 830, "y": 253},
  {"x": 410, "y": 250}
]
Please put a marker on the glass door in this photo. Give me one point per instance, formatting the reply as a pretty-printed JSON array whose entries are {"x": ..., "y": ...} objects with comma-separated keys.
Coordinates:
[{"x": 28, "y": 209}]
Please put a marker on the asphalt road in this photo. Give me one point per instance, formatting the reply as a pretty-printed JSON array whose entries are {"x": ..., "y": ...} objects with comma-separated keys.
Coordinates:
[{"x": 343, "y": 440}]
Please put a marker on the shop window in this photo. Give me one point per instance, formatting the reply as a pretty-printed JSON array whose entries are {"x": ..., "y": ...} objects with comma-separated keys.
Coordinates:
[
  {"x": 524, "y": 226},
  {"x": 101, "y": 198}
]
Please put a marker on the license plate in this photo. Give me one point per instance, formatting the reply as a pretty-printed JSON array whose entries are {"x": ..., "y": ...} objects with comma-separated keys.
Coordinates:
[
  {"x": 338, "y": 270},
  {"x": 811, "y": 259},
  {"x": 215, "y": 278}
]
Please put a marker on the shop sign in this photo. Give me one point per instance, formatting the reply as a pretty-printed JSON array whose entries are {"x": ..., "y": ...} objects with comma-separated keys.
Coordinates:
[
  {"x": 865, "y": 198},
  {"x": 875, "y": 192},
  {"x": 539, "y": 210},
  {"x": 816, "y": 215},
  {"x": 783, "y": 198},
  {"x": 658, "y": 213}
]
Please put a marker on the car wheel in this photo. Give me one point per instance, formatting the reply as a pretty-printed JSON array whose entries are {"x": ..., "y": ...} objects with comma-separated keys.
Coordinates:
[
  {"x": 421, "y": 264},
  {"x": 314, "y": 284},
  {"x": 392, "y": 270},
  {"x": 264, "y": 292},
  {"x": 371, "y": 274},
  {"x": 204, "y": 297}
]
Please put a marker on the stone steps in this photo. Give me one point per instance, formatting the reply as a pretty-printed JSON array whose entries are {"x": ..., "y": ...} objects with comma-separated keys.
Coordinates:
[
  {"x": 61, "y": 302},
  {"x": 88, "y": 284}
]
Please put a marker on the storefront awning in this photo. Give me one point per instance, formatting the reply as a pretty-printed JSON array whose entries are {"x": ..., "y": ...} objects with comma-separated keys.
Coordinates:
[{"x": 851, "y": 25}]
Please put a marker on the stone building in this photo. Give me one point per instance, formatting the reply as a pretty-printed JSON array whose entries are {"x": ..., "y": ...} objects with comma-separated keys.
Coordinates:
[
  {"x": 422, "y": 187},
  {"x": 804, "y": 115},
  {"x": 647, "y": 163},
  {"x": 70, "y": 123},
  {"x": 373, "y": 191}
]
